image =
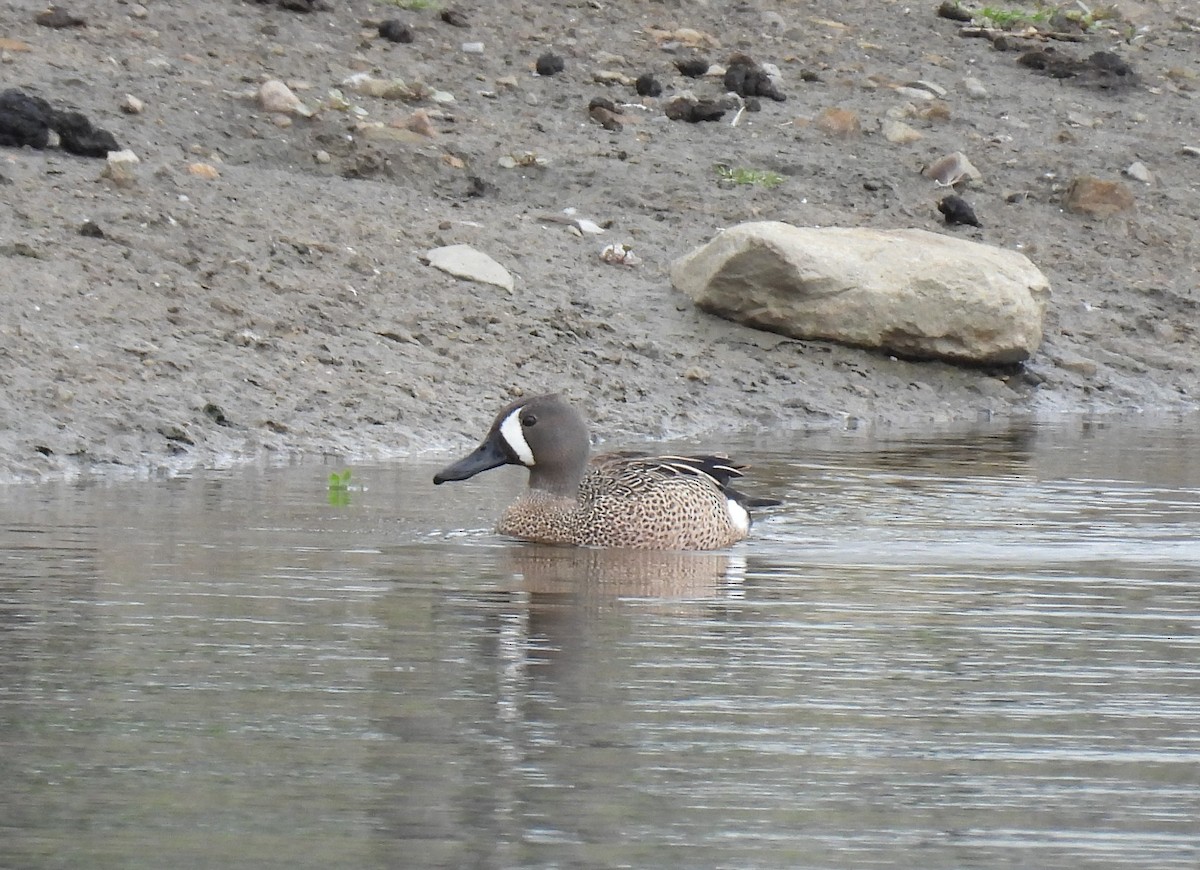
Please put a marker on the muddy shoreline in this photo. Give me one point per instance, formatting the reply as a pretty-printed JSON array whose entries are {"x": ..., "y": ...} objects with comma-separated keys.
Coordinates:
[{"x": 276, "y": 304}]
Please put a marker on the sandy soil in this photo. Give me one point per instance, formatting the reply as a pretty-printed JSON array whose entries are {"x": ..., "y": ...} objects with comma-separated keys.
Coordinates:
[{"x": 282, "y": 307}]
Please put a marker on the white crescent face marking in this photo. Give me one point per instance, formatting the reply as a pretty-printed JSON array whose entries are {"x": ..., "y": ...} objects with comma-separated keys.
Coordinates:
[
  {"x": 510, "y": 431},
  {"x": 738, "y": 515}
]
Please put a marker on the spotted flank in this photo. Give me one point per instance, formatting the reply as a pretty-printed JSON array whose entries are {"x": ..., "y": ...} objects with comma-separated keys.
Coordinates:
[{"x": 609, "y": 500}]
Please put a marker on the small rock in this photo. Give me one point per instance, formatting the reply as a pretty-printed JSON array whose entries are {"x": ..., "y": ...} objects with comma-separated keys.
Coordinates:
[
  {"x": 696, "y": 373},
  {"x": 395, "y": 31},
  {"x": 455, "y": 18},
  {"x": 120, "y": 168},
  {"x": 620, "y": 254},
  {"x": 418, "y": 122},
  {"x": 951, "y": 10},
  {"x": 899, "y": 133},
  {"x": 322, "y": 157},
  {"x": 463, "y": 261},
  {"x": 957, "y": 210},
  {"x": 692, "y": 68},
  {"x": 842, "y": 123},
  {"x": 203, "y": 170},
  {"x": 57, "y": 19},
  {"x": 1075, "y": 363},
  {"x": 974, "y": 88},
  {"x": 932, "y": 87},
  {"x": 648, "y": 86},
  {"x": 919, "y": 94},
  {"x": 91, "y": 230},
  {"x": 604, "y": 113},
  {"x": 472, "y": 48},
  {"x": 550, "y": 64},
  {"x": 612, "y": 76},
  {"x": 277, "y": 98},
  {"x": 1138, "y": 172},
  {"x": 1190, "y": 151},
  {"x": 1096, "y": 197},
  {"x": 952, "y": 169},
  {"x": 131, "y": 105}
]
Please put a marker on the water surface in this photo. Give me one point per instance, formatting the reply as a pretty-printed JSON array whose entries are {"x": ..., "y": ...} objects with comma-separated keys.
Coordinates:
[{"x": 944, "y": 652}]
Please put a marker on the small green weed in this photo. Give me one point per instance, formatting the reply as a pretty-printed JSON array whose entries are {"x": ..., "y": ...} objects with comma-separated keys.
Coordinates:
[
  {"x": 1007, "y": 18},
  {"x": 339, "y": 488},
  {"x": 742, "y": 175}
]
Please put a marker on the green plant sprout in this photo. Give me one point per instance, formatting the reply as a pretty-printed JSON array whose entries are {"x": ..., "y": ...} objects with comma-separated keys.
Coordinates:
[
  {"x": 742, "y": 175},
  {"x": 339, "y": 488}
]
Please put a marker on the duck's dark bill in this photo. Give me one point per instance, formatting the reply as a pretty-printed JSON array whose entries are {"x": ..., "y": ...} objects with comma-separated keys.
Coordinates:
[{"x": 490, "y": 454}]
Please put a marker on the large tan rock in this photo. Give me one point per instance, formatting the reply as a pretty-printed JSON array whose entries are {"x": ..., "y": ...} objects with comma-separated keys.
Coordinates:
[{"x": 909, "y": 292}]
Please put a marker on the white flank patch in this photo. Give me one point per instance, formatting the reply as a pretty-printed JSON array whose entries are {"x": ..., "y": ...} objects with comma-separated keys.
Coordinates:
[
  {"x": 738, "y": 515},
  {"x": 510, "y": 431}
]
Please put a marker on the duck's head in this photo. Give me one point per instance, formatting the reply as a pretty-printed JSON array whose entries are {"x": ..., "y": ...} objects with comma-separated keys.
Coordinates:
[{"x": 542, "y": 433}]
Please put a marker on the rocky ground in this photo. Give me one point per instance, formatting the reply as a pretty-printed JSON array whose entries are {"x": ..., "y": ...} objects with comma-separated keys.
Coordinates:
[{"x": 259, "y": 289}]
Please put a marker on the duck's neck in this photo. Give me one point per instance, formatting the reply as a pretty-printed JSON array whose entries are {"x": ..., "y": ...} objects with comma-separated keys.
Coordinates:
[{"x": 561, "y": 483}]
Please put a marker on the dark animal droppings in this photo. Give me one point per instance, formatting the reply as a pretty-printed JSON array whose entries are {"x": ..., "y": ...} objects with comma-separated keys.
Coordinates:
[
  {"x": 395, "y": 31},
  {"x": 693, "y": 68},
  {"x": 647, "y": 86},
  {"x": 24, "y": 120},
  {"x": 550, "y": 64},
  {"x": 957, "y": 210}
]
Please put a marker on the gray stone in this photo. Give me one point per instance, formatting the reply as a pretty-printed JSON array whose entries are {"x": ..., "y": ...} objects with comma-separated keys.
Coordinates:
[
  {"x": 910, "y": 292},
  {"x": 463, "y": 261}
]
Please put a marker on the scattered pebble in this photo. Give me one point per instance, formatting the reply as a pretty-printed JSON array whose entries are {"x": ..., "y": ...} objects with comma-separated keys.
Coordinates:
[
  {"x": 91, "y": 230},
  {"x": 1139, "y": 172},
  {"x": 203, "y": 170},
  {"x": 57, "y": 18},
  {"x": 276, "y": 97},
  {"x": 952, "y": 169},
  {"x": 131, "y": 105},
  {"x": 620, "y": 254},
  {"x": 952, "y": 11},
  {"x": 899, "y": 133},
  {"x": 550, "y": 64},
  {"x": 842, "y": 123},
  {"x": 455, "y": 18},
  {"x": 395, "y": 31},
  {"x": 418, "y": 122},
  {"x": 604, "y": 112},
  {"x": 974, "y": 88},
  {"x": 121, "y": 168},
  {"x": 648, "y": 86},
  {"x": 957, "y": 210},
  {"x": 472, "y": 47},
  {"x": 463, "y": 261},
  {"x": 1097, "y": 197}
]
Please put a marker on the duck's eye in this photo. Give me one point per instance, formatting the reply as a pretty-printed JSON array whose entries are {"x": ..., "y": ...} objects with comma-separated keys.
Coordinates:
[{"x": 528, "y": 420}]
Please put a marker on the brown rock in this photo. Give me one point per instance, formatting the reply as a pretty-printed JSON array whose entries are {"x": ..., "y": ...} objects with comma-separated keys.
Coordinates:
[
  {"x": 1095, "y": 197},
  {"x": 842, "y": 123}
]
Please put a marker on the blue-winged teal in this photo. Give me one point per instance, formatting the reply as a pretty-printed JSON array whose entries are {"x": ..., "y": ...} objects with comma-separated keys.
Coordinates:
[{"x": 616, "y": 499}]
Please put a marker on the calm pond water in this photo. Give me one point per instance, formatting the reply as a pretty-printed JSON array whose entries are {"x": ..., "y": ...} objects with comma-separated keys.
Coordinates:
[{"x": 967, "y": 652}]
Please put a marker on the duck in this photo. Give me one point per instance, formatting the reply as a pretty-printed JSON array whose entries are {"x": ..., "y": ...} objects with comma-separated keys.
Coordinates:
[{"x": 611, "y": 500}]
